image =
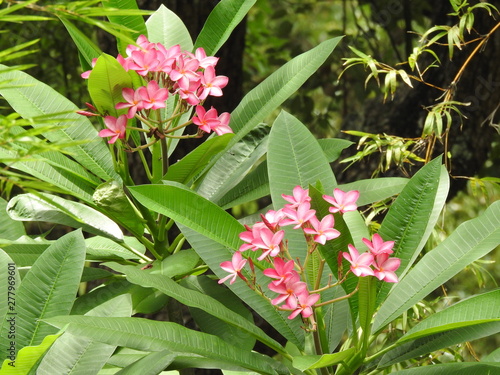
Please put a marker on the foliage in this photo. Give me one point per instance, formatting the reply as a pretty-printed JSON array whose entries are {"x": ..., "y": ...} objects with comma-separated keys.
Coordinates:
[{"x": 160, "y": 239}]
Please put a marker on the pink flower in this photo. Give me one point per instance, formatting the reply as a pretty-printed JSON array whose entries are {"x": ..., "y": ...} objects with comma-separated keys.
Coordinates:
[
  {"x": 378, "y": 246},
  {"x": 301, "y": 305},
  {"x": 184, "y": 71},
  {"x": 116, "y": 128},
  {"x": 269, "y": 242},
  {"x": 272, "y": 218},
  {"x": 153, "y": 97},
  {"x": 289, "y": 289},
  {"x": 234, "y": 267},
  {"x": 86, "y": 74},
  {"x": 298, "y": 216},
  {"x": 208, "y": 120},
  {"x": 299, "y": 196},
  {"x": 281, "y": 271},
  {"x": 143, "y": 62},
  {"x": 360, "y": 264},
  {"x": 385, "y": 267},
  {"x": 322, "y": 230},
  {"x": 212, "y": 84},
  {"x": 167, "y": 57},
  {"x": 342, "y": 201},
  {"x": 133, "y": 101},
  {"x": 223, "y": 126},
  {"x": 205, "y": 61},
  {"x": 189, "y": 93}
]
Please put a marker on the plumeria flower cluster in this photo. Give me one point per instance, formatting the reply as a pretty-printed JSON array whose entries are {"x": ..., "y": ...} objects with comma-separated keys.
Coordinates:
[
  {"x": 287, "y": 275},
  {"x": 166, "y": 72}
]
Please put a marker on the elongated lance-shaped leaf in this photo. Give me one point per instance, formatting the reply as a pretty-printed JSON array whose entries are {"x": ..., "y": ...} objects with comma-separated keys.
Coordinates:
[
  {"x": 220, "y": 23},
  {"x": 306, "y": 362},
  {"x": 165, "y": 27},
  {"x": 274, "y": 90},
  {"x": 462, "y": 368},
  {"x": 469, "y": 242},
  {"x": 151, "y": 364},
  {"x": 48, "y": 289},
  {"x": 54, "y": 209},
  {"x": 232, "y": 166},
  {"x": 195, "y": 299},
  {"x": 87, "y": 48},
  {"x": 9, "y": 229},
  {"x": 333, "y": 147},
  {"x": 31, "y": 98},
  {"x": 410, "y": 216},
  {"x": 375, "y": 189},
  {"x": 143, "y": 334},
  {"x": 27, "y": 358},
  {"x": 295, "y": 158},
  {"x": 474, "y": 310},
  {"x": 73, "y": 355},
  {"x": 437, "y": 341},
  {"x": 213, "y": 254},
  {"x": 25, "y": 250}
]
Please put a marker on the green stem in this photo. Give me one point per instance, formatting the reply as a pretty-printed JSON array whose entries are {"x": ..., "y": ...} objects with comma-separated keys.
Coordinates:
[{"x": 134, "y": 251}]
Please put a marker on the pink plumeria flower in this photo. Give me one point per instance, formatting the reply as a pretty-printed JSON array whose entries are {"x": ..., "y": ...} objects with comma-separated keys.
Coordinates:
[
  {"x": 153, "y": 97},
  {"x": 133, "y": 101},
  {"x": 342, "y": 201},
  {"x": 281, "y": 272},
  {"x": 360, "y": 263},
  {"x": 184, "y": 71},
  {"x": 299, "y": 196},
  {"x": 205, "y": 61},
  {"x": 272, "y": 219},
  {"x": 189, "y": 93},
  {"x": 250, "y": 235},
  {"x": 167, "y": 57},
  {"x": 212, "y": 84},
  {"x": 289, "y": 289},
  {"x": 143, "y": 62},
  {"x": 269, "y": 242},
  {"x": 116, "y": 128},
  {"x": 301, "y": 305},
  {"x": 384, "y": 268},
  {"x": 206, "y": 120},
  {"x": 298, "y": 216},
  {"x": 322, "y": 230},
  {"x": 378, "y": 246},
  {"x": 223, "y": 126},
  {"x": 234, "y": 267}
]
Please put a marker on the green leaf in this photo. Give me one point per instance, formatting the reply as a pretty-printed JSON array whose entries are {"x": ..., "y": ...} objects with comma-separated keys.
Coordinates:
[
  {"x": 190, "y": 209},
  {"x": 474, "y": 310},
  {"x": 9, "y": 229},
  {"x": 375, "y": 189},
  {"x": 428, "y": 344},
  {"x": 131, "y": 21},
  {"x": 54, "y": 209},
  {"x": 213, "y": 254},
  {"x": 142, "y": 334},
  {"x": 87, "y": 48},
  {"x": 31, "y": 98},
  {"x": 179, "y": 264},
  {"x": 253, "y": 186},
  {"x": 79, "y": 355},
  {"x": 469, "y": 242},
  {"x": 333, "y": 147},
  {"x": 105, "y": 84},
  {"x": 232, "y": 165},
  {"x": 366, "y": 303},
  {"x": 165, "y": 27},
  {"x": 25, "y": 250},
  {"x": 226, "y": 15},
  {"x": 186, "y": 169},
  {"x": 48, "y": 289},
  {"x": 100, "y": 295},
  {"x": 150, "y": 364},
  {"x": 194, "y": 299},
  {"x": 27, "y": 358},
  {"x": 307, "y": 362},
  {"x": 463, "y": 368},
  {"x": 409, "y": 218}
]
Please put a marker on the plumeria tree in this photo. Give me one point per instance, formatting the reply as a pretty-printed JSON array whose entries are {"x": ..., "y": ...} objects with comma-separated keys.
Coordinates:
[{"x": 336, "y": 290}]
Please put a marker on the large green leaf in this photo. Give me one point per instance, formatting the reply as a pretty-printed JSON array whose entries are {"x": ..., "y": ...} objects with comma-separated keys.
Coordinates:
[
  {"x": 102, "y": 248},
  {"x": 9, "y": 229},
  {"x": 31, "y": 98},
  {"x": 220, "y": 23},
  {"x": 274, "y": 90},
  {"x": 48, "y": 289},
  {"x": 470, "y": 241},
  {"x": 306, "y": 362},
  {"x": 194, "y": 299},
  {"x": 463, "y": 368},
  {"x": 333, "y": 147},
  {"x": 79, "y": 355},
  {"x": 151, "y": 364},
  {"x": 474, "y": 310},
  {"x": 410, "y": 217},
  {"x": 428, "y": 344},
  {"x": 375, "y": 189},
  {"x": 142, "y": 334},
  {"x": 232, "y": 166},
  {"x": 25, "y": 250},
  {"x": 87, "y": 48},
  {"x": 190, "y": 209},
  {"x": 54, "y": 209},
  {"x": 165, "y": 27},
  {"x": 213, "y": 254}
]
